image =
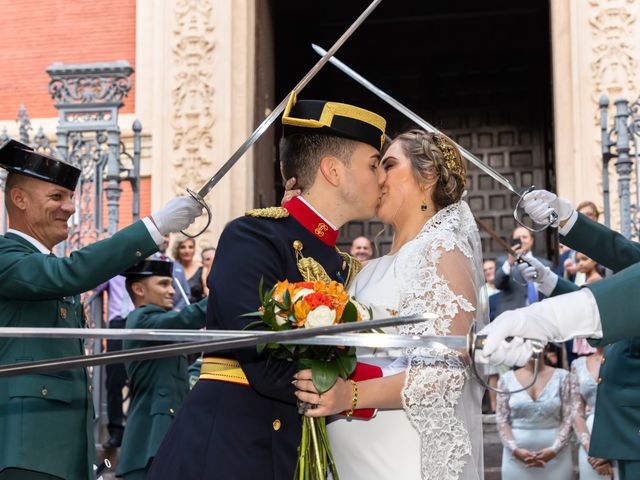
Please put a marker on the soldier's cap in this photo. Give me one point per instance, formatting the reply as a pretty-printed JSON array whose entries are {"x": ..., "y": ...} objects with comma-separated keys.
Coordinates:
[
  {"x": 332, "y": 118},
  {"x": 150, "y": 268},
  {"x": 19, "y": 158}
]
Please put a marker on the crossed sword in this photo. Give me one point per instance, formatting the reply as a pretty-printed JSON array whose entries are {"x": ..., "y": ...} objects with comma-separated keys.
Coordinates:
[{"x": 216, "y": 340}]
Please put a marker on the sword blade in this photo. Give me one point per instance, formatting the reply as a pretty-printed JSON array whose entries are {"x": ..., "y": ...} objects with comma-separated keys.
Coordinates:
[
  {"x": 373, "y": 340},
  {"x": 266, "y": 123},
  {"x": 498, "y": 177},
  {"x": 150, "y": 353}
]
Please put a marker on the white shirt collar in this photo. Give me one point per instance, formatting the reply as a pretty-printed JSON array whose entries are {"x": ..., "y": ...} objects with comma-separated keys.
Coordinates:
[
  {"x": 317, "y": 213},
  {"x": 31, "y": 240}
]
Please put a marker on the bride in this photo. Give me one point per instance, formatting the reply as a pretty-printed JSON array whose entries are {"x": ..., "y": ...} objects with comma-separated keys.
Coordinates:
[{"x": 429, "y": 422}]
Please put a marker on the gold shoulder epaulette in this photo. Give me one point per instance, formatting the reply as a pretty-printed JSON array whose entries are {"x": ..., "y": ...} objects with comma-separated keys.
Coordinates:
[{"x": 269, "y": 212}]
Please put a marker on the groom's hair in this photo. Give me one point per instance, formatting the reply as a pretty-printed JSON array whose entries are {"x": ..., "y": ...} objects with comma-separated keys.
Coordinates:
[{"x": 300, "y": 155}]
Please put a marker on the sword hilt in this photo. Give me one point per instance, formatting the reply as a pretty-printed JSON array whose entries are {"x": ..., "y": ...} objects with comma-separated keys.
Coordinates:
[
  {"x": 553, "y": 217},
  {"x": 477, "y": 342},
  {"x": 198, "y": 198}
]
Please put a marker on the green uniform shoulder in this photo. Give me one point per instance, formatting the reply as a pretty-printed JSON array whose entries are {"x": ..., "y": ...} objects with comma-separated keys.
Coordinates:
[{"x": 275, "y": 213}]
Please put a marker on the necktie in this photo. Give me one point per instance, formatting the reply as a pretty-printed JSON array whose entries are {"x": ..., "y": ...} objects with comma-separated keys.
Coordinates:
[{"x": 532, "y": 293}]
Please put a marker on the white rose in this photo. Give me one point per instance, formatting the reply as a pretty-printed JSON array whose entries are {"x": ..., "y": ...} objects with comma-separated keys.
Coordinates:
[
  {"x": 321, "y": 316},
  {"x": 301, "y": 294}
]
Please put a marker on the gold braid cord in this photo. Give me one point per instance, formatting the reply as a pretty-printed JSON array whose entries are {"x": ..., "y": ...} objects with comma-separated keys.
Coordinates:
[
  {"x": 310, "y": 269},
  {"x": 354, "y": 267},
  {"x": 270, "y": 212}
]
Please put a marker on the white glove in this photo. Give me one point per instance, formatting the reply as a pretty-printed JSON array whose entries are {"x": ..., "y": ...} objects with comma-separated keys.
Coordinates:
[
  {"x": 176, "y": 215},
  {"x": 540, "y": 204},
  {"x": 535, "y": 271},
  {"x": 555, "y": 319}
]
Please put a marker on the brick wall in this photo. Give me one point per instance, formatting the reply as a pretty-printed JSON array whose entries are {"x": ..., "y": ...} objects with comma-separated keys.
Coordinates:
[{"x": 34, "y": 34}]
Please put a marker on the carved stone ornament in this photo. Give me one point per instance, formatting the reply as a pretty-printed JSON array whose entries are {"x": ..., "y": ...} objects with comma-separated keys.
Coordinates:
[{"x": 192, "y": 93}]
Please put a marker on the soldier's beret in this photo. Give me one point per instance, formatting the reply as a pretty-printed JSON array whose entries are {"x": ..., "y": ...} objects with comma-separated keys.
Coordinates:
[
  {"x": 19, "y": 158},
  {"x": 149, "y": 268},
  {"x": 332, "y": 118}
]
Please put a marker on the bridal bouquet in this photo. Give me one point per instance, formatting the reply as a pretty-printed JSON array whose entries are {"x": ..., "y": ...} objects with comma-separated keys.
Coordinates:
[{"x": 306, "y": 305}]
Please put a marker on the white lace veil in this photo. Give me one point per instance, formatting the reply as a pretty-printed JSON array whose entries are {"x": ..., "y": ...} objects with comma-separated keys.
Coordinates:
[{"x": 441, "y": 272}]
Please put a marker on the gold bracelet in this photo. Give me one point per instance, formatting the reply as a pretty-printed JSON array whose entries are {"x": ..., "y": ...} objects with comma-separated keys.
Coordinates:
[{"x": 354, "y": 399}]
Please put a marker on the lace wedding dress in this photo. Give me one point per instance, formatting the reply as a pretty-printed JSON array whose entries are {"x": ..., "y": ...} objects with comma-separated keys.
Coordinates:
[{"x": 438, "y": 433}]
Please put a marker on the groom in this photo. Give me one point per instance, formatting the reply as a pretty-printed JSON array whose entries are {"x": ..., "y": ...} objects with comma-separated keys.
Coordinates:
[{"x": 240, "y": 421}]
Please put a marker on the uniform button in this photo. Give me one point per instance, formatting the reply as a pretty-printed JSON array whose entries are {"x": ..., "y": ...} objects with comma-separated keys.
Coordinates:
[
  {"x": 277, "y": 424},
  {"x": 171, "y": 410},
  {"x": 599, "y": 380},
  {"x": 138, "y": 253},
  {"x": 602, "y": 361},
  {"x": 44, "y": 392},
  {"x": 90, "y": 388}
]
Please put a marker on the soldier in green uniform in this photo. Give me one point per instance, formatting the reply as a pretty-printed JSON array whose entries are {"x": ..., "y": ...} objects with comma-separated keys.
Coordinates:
[
  {"x": 606, "y": 311},
  {"x": 157, "y": 387},
  {"x": 46, "y": 420}
]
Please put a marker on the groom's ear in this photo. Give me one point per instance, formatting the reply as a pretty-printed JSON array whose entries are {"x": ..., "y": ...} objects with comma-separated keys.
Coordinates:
[{"x": 331, "y": 168}]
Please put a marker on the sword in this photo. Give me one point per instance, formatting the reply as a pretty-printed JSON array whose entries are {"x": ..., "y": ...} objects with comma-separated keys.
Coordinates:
[
  {"x": 151, "y": 353},
  {"x": 222, "y": 339},
  {"x": 266, "y": 123},
  {"x": 498, "y": 177}
]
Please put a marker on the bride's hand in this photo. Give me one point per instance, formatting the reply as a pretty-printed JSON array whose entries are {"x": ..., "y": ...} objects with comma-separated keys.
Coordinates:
[
  {"x": 335, "y": 400},
  {"x": 289, "y": 191}
]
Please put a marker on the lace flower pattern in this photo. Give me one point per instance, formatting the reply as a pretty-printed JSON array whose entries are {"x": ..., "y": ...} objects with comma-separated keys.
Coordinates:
[{"x": 435, "y": 378}]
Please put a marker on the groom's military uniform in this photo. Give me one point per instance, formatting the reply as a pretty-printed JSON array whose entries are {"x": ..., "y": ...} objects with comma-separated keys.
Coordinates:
[
  {"x": 616, "y": 428},
  {"x": 240, "y": 421},
  {"x": 46, "y": 420}
]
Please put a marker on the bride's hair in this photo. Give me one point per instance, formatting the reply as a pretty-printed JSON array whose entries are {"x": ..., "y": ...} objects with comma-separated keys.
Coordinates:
[{"x": 434, "y": 153}]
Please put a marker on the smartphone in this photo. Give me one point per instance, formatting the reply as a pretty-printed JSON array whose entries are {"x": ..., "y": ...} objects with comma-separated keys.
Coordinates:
[{"x": 515, "y": 244}]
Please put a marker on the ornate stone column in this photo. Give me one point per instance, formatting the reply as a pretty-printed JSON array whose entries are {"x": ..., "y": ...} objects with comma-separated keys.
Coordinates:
[
  {"x": 195, "y": 78},
  {"x": 595, "y": 52}
]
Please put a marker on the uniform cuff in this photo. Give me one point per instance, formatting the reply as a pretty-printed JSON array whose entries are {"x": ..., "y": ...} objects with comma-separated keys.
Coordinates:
[
  {"x": 569, "y": 225},
  {"x": 153, "y": 230}
]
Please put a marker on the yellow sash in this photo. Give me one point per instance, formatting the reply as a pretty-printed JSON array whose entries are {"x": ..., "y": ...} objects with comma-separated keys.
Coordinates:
[{"x": 222, "y": 369}]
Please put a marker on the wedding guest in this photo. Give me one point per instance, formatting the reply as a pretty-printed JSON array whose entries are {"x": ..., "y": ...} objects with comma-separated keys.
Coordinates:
[
  {"x": 183, "y": 252},
  {"x": 361, "y": 249},
  {"x": 180, "y": 283},
  {"x": 535, "y": 425},
  {"x": 206, "y": 255},
  {"x": 591, "y": 272},
  {"x": 584, "y": 372}
]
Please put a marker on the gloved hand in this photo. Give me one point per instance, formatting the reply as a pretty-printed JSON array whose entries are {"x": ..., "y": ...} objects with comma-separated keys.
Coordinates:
[
  {"x": 177, "y": 214},
  {"x": 555, "y": 319},
  {"x": 539, "y": 204},
  {"x": 535, "y": 271}
]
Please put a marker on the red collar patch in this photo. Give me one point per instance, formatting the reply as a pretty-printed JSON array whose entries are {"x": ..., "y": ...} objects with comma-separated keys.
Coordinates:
[{"x": 312, "y": 221}]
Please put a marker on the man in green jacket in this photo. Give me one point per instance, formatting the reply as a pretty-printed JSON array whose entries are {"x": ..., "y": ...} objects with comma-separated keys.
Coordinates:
[
  {"x": 157, "y": 387},
  {"x": 606, "y": 311},
  {"x": 46, "y": 420}
]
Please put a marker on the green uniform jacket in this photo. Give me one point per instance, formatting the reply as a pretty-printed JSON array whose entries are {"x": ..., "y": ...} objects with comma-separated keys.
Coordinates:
[
  {"x": 46, "y": 420},
  {"x": 158, "y": 387},
  {"x": 616, "y": 428}
]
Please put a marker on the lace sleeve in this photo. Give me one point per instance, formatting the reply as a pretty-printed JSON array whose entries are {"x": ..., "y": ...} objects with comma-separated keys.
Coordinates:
[
  {"x": 564, "y": 432},
  {"x": 578, "y": 409},
  {"x": 503, "y": 418},
  {"x": 435, "y": 378}
]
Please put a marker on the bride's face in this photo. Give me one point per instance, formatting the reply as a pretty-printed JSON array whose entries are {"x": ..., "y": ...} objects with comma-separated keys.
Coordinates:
[{"x": 400, "y": 193}]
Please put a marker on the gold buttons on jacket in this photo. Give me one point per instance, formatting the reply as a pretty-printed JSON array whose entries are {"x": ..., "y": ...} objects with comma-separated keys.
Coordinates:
[
  {"x": 138, "y": 253},
  {"x": 599, "y": 380},
  {"x": 277, "y": 424},
  {"x": 44, "y": 391},
  {"x": 172, "y": 410},
  {"x": 90, "y": 388}
]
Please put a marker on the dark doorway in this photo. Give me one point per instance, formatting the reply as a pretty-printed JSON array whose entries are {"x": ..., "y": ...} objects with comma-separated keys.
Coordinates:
[{"x": 479, "y": 71}]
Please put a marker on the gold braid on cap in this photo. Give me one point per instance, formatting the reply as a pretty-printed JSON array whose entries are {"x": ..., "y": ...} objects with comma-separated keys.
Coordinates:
[{"x": 450, "y": 158}]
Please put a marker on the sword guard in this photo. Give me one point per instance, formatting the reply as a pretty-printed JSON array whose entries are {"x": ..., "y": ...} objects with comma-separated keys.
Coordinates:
[
  {"x": 204, "y": 205},
  {"x": 553, "y": 218},
  {"x": 476, "y": 342}
]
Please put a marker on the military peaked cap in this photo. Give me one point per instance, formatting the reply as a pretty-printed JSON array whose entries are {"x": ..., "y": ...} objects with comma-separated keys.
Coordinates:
[
  {"x": 149, "y": 268},
  {"x": 331, "y": 118},
  {"x": 19, "y": 158}
]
